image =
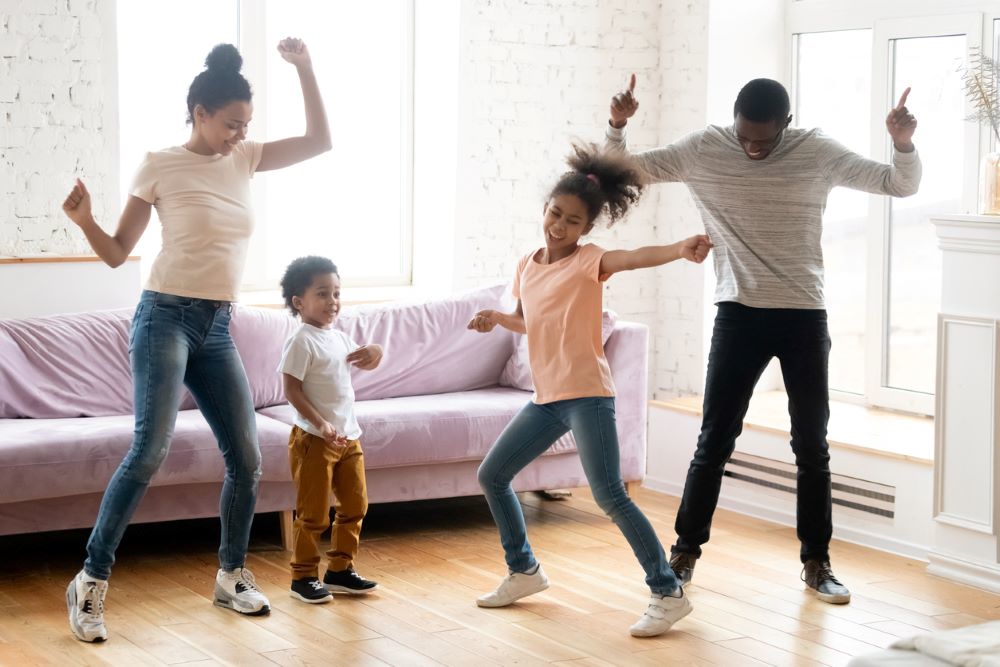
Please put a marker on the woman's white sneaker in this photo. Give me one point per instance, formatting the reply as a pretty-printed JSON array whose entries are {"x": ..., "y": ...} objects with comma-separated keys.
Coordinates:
[
  {"x": 85, "y": 605},
  {"x": 515, "y": 586},
  {"x": 237, "y": 590},
  {"x": 662, "y": 612}
]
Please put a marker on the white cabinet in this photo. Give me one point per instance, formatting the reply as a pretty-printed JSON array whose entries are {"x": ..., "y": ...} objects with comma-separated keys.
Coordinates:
[{"x": 967, "y": 438}]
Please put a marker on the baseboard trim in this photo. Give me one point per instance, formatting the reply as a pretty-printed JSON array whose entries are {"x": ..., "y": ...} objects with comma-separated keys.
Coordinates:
[
  {"x": 977, "y": 575},
  {"x": 852, "y": 535}
]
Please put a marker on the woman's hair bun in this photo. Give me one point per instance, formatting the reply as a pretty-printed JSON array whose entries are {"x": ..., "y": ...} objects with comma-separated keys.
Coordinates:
[{"x": 224, "y": 58}]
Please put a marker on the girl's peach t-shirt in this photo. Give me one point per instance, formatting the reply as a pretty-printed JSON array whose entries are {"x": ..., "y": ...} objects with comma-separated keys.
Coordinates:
[{"x": 562, "y": 304}]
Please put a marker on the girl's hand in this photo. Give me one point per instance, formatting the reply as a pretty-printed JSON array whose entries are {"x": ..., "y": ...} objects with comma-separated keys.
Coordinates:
[
  {"x": 366, "y": 357},
  {"x": 294, "y": 51},
  {"x": 484, "y": 321},
  {"x": 333, "y": 438},
  {"x": 695, "y": 249},
  {"x": 77, "y": 204}
]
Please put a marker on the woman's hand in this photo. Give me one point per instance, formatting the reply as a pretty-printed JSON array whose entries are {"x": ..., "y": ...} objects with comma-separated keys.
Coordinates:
[
  {"x": 294, "y": 51},
  {"x": 366, "y": 357},
  {"x": 77, "y": 204},
  {"x": 484, "y": 321}
]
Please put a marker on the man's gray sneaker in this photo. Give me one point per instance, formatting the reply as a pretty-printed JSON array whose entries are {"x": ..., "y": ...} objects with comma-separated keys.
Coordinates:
[{"x": 819, "y": 577}]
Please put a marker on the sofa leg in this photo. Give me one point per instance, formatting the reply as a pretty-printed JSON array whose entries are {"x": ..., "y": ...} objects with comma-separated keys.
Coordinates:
[
  {"x": 631, "y": 488},
  {"x": 287, "y": 518}
]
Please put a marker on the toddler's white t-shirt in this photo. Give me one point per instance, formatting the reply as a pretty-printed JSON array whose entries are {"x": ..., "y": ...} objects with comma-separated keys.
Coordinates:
[{"x": 318, "y": 357}]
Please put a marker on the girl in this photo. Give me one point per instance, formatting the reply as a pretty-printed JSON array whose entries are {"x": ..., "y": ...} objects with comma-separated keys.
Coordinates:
[
  {"x": 559, "y": 288},
  {"x": 180, "y": 331}
]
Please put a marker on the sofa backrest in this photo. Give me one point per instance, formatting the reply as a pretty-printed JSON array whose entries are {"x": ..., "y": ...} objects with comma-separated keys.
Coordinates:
[
  {"x": 77, "y": 365},
  {"x": 66, "y": 365},
  {"x": 428, "y": 349}
]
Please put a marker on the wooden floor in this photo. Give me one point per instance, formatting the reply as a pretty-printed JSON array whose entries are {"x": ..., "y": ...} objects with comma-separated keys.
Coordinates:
[{"x": 432, "y": 559}]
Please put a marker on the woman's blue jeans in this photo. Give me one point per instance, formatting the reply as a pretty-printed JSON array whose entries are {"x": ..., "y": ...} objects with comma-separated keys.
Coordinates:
[
  {"x": 533, "y": 430},
  {"x": 179, "y": 341}
]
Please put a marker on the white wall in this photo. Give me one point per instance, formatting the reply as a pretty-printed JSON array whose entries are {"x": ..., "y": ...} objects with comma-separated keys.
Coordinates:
[
  {"x": 57, "y": 118},
  {"x": 536, "y": 75},
  {"x": 32, "y": 289}
]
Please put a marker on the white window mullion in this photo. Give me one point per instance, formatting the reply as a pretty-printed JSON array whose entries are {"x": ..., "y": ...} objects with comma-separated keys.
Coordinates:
[{"x": 884, "y": 91}]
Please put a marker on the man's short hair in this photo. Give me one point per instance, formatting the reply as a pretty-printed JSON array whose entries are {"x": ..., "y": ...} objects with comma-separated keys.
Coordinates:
[{"x": 762, "y": 101}]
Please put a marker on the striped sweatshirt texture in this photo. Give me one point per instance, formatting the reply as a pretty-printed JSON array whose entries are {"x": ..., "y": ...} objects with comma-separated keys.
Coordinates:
[{"x": 765, "y": 217}]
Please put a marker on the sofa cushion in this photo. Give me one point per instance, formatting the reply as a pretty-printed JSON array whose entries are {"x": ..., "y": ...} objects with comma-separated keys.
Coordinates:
[
  {"x": 65, "y": 457},
  {"x": 66, "y": 366},
  {"x": 428, "y": 347},
  {"x": 438, "y": 428},
  {"x": 259, "y": 334}
]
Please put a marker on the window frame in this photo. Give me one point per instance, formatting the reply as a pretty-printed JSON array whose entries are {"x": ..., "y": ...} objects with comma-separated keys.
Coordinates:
[
  {"x": 256, "y": 50},
  {"x": 892, "y": 20}
]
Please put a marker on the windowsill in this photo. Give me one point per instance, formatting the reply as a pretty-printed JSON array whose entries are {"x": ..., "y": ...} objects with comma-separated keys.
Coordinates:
[
  {"x": 851, "y": 426},
  {"x": 350, "y": 296},
  {"x": 48, "y": 258}
]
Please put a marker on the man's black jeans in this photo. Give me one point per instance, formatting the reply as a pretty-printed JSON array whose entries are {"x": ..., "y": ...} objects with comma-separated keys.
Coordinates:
[{"x": 743, "y": 341}]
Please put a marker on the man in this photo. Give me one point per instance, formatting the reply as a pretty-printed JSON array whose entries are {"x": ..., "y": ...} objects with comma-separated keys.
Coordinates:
[{"x": 761, "y": 187}]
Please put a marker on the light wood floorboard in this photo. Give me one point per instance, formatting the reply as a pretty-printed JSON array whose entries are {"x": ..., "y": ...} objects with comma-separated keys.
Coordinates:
[{"x": 434, "y": 558}]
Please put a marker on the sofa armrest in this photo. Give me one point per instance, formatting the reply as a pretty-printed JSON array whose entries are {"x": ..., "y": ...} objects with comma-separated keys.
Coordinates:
[{"x": 627, "y": 351}]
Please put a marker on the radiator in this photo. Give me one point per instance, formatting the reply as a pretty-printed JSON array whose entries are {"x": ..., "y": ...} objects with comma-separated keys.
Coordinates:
[{"x": 850, "y": 492}]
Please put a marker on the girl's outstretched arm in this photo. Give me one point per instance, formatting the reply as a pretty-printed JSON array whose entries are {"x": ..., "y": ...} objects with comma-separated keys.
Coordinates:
[
  {"x": 485, "y": 320},
  {"x": 694, "y": 249},
  {"x": 114, "y": 250},
  {"x": 316, "y": 140}
]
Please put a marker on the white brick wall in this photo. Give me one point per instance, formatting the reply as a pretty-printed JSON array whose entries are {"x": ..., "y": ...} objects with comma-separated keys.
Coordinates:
[
  {"x": 52, "y": 121},
  {"x": 538, "y": 73},
  {"x": 542, "y": 72}
]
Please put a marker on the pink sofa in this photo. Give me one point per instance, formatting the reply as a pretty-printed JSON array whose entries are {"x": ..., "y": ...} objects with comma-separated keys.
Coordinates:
[{"x": 429, "y": 413}]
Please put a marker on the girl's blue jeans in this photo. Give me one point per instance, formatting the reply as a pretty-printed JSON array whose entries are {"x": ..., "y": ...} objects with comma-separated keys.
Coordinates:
[{"x": 532, "y": 431}]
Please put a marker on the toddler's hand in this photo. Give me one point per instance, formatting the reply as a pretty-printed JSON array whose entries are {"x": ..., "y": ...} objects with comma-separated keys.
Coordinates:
[
  {"x": 484, "y": 321},
  {"x": 333, "y": 438},
  {"x": 695, "y": 249},
  {"x": 366, "y": 357}
]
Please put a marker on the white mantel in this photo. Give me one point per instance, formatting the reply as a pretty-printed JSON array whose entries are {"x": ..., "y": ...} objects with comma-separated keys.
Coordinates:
[{"x": 967, "y": 439}]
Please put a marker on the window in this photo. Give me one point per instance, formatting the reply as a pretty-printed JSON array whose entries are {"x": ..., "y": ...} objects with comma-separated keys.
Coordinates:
[
  {"x": 849, "y": 66},
  {"x": 353, "y": 204}
]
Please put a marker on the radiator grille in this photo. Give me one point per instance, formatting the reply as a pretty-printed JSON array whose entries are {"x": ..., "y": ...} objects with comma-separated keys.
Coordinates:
[{"x": 850, "y": 492}]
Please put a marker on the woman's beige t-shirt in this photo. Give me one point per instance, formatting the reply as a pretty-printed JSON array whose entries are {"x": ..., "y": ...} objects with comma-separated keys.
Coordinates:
[
  {"x": 562, "y": 304},
  {"x": 203, "y": 202}
]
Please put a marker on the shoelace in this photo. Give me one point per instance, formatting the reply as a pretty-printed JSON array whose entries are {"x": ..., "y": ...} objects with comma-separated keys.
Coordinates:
[
  {"x": 823, "y": 573},
  {"x": 94, "y": 599},
  {"x": 246, "y": 577},
  {"x": 317, "y": 585}
]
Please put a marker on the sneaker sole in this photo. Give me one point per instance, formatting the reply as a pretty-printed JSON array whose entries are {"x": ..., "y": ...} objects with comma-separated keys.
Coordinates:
[
  {"x": 486, "y": 604},
  {"x": 687, "y": 610},
  {"x": 70, "y": 609},
  {"x": 228, "y": 604},
  {"x": 334, "y": 588},
  {"x": 832, "y": 599},
  {"x": 302, "y": 598}
]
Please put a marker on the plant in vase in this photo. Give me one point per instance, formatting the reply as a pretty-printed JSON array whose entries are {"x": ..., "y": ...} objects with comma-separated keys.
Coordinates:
[{"x": 981, "y": 78}]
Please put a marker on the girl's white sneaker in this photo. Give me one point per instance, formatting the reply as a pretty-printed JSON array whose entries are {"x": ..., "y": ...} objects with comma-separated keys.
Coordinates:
[
  {"x": 661, "y": 614},
  {"x": 515, "y": 586}
]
